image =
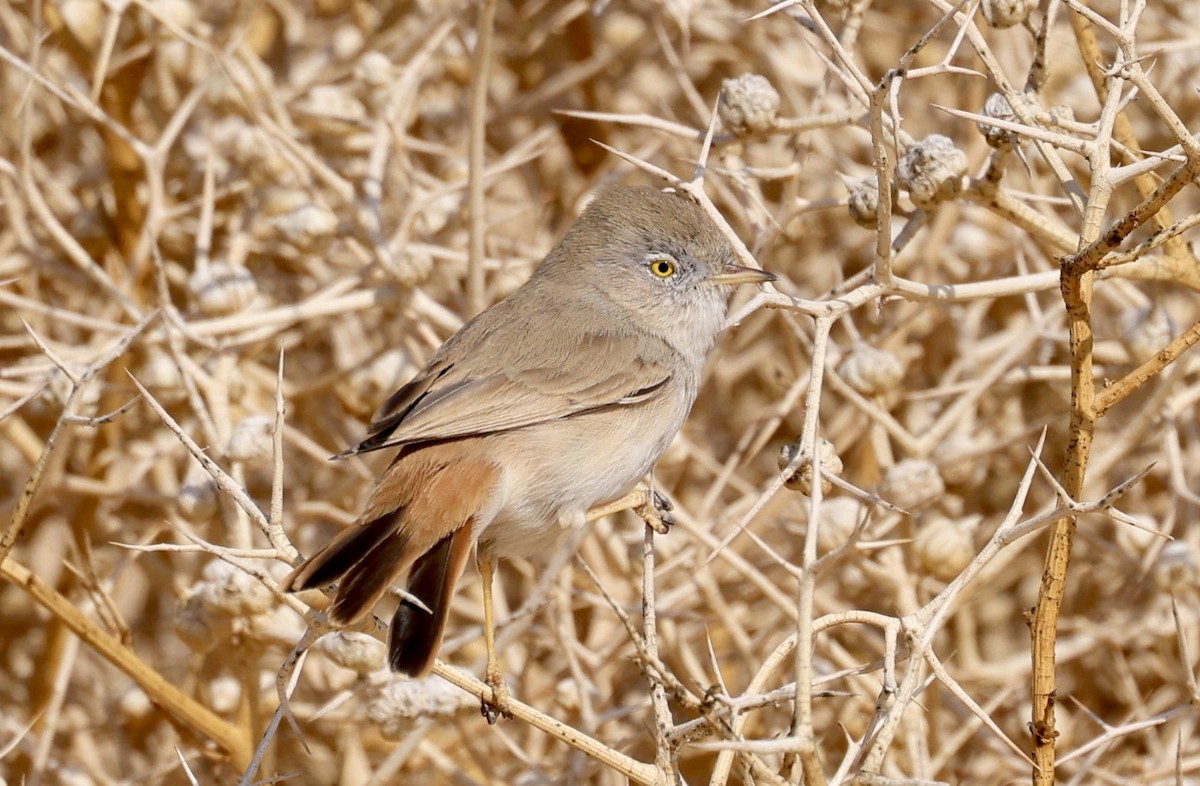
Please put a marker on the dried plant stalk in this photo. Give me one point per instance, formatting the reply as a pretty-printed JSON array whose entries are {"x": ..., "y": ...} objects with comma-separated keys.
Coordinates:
[{"x": 972, "y": 375}]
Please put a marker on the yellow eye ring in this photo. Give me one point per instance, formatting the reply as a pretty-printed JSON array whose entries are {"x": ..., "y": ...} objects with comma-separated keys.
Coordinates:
[{"x": 662, "y": 267}]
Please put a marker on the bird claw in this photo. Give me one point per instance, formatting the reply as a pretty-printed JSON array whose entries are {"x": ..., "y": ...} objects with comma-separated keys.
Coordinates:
[
  {"x": 497, "y": 706},
  {"x": 656, "y": 512}
]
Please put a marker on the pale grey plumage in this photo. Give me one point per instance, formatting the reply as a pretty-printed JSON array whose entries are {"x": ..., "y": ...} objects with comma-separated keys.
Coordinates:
[
  {"x": 555, "y": 400},
  {"x": 591, "y": 326}
]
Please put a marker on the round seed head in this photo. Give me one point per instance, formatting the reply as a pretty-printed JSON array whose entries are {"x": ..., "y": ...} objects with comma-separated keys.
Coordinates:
[
  {"x": 932, "y": 170},
  {"x": 748, "y": 103}
]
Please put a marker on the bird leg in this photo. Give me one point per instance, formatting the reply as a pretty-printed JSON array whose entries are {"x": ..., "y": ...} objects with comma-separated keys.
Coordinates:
[
  {"x": 497, "y": 705},
  {"x": 657, "y": 513},
  {"x": 652, "y": 507}
]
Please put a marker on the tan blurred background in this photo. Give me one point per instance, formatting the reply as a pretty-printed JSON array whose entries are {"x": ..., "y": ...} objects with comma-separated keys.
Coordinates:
[{"x": 217, "y": 184}]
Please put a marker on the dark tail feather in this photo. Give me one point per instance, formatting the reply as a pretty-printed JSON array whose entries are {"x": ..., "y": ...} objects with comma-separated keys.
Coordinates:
[
  {"x": 364, "y": 560},
  {"x": 361, "y": 588},
  {"x": 416, "y": 633},
  {"x": 340, "y": 554}
]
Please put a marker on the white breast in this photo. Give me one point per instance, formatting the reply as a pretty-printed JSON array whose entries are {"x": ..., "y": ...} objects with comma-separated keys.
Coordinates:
[{"x": 555, "y": 472}]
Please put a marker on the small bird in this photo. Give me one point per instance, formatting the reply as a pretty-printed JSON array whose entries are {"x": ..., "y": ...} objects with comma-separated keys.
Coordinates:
[{"x": 555, "y": 400}]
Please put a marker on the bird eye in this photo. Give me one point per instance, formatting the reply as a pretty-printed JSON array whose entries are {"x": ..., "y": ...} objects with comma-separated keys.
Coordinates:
[{"x": 663, "y": 267}]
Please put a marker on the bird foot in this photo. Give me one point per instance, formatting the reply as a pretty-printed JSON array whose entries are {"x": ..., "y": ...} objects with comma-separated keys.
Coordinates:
[
  {"x": 656, "y": 512},
  {"x": 497, "y": 706}
]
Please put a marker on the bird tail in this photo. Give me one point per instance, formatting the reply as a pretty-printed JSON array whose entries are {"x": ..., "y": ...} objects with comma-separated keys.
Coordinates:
[
  {"x": 421, "y": 518},
  {"x": 364, "y": 560},
  {"x": 420, "y": 619}
]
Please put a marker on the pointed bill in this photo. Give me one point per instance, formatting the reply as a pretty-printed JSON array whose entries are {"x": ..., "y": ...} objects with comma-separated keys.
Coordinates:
[{"x": 737, "y": 274}]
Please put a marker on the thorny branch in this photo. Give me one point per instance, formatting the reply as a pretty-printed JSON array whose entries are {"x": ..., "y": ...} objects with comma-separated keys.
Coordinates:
[{"x": 306, "y": 193}]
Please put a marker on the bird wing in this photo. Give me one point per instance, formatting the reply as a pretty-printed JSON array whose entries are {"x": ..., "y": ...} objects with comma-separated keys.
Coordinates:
[{"x": 517, "y": 372}]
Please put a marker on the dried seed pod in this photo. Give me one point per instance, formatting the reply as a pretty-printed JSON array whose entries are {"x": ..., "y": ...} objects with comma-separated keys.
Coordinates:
[
  {"x": 801, "y": 477},
  {"x": 871, "y": 371},
  {"x": 944, "y": 547},
  {"x": 374, "y": 77},
  {"x": 1007, "y": 13},
  {"x": 275, "y": 202},
  {"x": 226, "y": 602},
  {"x": 252, "y": 441},
  {"x": 229, "y": 591},
  {"x": 224, "y": 693},
  {"x": 864, "y": 200},
  {"x": 159, "y": 373},
  {"x": 621, "y": 29},
  {"x": 309, "y": 227},
  {"x": 748, "y": 103},
  {"x": 221, "y": 289},
  {"x": 854, "y": 582},
  {"x": 331, "y": 109},
  {"x": 839, "y": 517},
  {"x": 932, "y": 170},
  {"x": 374, "y": 69},
  {"x": 410, "y": 268},
  {"x": 911, "y": 484},
  {"x": 357, "y": 652},
  {"x": 179, "y": 59},
  {"x": 197, "y": 497},
  {"x": 566, "y": 694},
  {"x": 262, "y": 158},
  {"x": 394, "y": 704},
  {"x": 199, "y": 628},
  {"x": 213, "y": 145},
  {"x": 348, "y": 41},
  {"x": 1061, "y": 114},
  {"x": 134, "y": 705},
  {"x": 955, "y": 461},
  {"x": 997, "y": 106}
]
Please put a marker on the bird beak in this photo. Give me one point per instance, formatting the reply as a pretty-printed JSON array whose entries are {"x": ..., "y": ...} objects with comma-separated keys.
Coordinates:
[{"x": 737, "y": 274}]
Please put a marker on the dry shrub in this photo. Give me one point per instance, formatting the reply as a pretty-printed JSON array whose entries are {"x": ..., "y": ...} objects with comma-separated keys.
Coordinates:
[{"x": 195, "y": 193}]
